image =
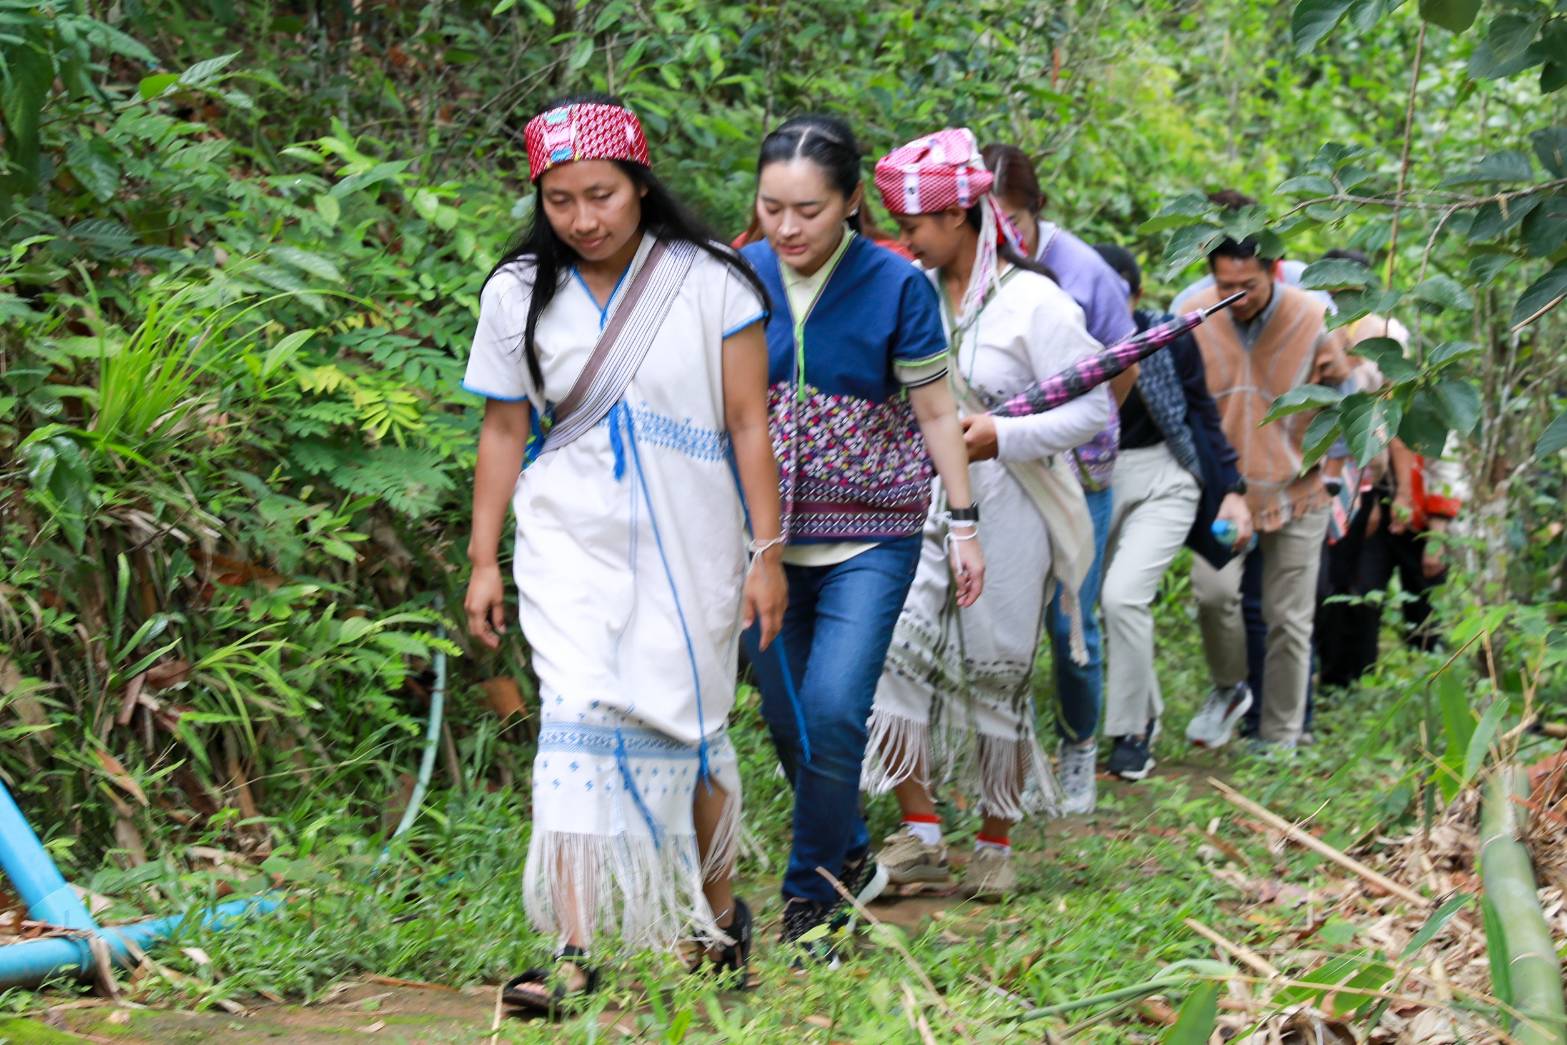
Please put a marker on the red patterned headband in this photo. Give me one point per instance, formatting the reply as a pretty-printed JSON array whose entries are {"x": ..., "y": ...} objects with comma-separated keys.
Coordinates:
[
  {"x": 933, "y": 173},
  {"x": 584, "y": 131}
]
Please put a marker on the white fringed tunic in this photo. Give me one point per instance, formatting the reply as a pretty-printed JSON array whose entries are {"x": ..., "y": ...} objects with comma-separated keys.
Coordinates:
[{"x": 630, "y": 558}]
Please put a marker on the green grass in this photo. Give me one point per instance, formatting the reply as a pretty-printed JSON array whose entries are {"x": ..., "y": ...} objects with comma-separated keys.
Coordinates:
[{"x": 1103, "y": 908}]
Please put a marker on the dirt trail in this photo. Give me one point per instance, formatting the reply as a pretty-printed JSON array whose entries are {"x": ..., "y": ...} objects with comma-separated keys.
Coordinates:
[{"x": 393, "y": 1013}]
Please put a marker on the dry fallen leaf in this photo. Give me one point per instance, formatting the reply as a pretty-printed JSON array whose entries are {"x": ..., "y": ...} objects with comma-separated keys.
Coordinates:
[{"x": 121, "y": 777}]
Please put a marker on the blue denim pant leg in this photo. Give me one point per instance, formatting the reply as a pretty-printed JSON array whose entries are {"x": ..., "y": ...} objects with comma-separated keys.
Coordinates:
[
  {"x": 1080, "y": 687},
  {"x": 836, "y": 632}
]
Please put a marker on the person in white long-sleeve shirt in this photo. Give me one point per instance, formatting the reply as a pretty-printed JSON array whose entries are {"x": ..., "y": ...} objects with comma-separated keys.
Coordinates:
[{"x": 954, "y": 702}]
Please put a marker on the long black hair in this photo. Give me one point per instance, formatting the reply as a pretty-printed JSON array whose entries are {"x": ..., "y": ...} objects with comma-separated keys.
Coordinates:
[
  {"x": 824, "y": 140},
  {"x": 662, "y": 214},
  {"x": 975, "y": 216}
]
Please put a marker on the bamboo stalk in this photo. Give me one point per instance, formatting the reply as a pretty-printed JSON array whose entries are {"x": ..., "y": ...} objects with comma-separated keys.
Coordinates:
[
  {"x": 1317, "y": 845},
  {"x": 1234, "y": 950},
  {"x": 1508, "y": 877}
]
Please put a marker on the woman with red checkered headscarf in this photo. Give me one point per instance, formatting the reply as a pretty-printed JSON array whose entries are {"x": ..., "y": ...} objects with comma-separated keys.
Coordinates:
[
  {"x": 621, "y": 358},
  {"x": 954, "y": 701}
]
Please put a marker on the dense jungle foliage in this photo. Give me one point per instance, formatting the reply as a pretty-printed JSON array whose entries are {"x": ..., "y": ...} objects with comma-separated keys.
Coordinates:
[{"x": 241, "y": 246}]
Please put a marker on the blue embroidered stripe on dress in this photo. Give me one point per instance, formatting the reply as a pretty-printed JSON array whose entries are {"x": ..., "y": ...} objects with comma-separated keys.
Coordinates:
[
  {"x": 695, "y": 441},
  {"x": 602, "y": 740}
]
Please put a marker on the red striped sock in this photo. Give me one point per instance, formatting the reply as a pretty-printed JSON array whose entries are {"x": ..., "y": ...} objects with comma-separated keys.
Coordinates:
[{"x": 1001, "y": 842}]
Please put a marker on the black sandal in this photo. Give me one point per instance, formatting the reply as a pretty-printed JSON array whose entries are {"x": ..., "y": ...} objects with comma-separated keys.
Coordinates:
[
  {"x": 732, "y": 958},
  {"x": 560, "y": 999}
]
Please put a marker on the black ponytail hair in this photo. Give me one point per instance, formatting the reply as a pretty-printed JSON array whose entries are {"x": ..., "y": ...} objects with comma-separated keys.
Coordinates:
[
  {"x": 827, "y": 142},
  {"x": 1005, "y": 250},
  {"x": 662, "y": 214}
]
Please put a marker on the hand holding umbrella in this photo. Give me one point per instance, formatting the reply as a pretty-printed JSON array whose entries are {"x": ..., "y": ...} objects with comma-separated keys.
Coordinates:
[{"x": 1091, "y": 372}]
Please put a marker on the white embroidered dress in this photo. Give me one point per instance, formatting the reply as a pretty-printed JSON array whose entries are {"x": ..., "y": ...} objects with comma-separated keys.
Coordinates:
[
  {"x": 954, "y": 697},
  {"x": 630, "y": 558}
]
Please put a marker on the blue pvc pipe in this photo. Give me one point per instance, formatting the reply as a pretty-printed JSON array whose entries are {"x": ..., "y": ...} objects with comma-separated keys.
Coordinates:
[
  {"x": 33, "y": 875},
  {"x": 29, "y": 963}
]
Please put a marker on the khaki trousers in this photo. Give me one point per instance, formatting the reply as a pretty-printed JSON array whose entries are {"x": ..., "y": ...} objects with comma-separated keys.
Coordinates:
[
  {"x": 1155, "y": 500},
  {"x": 1291, "y": 557}
]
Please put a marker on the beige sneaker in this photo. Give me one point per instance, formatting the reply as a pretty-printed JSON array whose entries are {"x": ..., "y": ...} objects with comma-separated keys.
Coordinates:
[
  {"x": 990, "y": 875},
  {"x": 911, "y": 862}
]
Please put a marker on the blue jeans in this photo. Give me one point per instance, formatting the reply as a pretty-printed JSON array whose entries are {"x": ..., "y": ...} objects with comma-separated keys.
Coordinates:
[
  {"x": 1080, "y": 687},
  {"x": 835, "y": 634}
]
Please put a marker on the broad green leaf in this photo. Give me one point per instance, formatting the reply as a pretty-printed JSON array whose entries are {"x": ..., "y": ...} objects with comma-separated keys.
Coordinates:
[
  {"x": 1483, "y": 268},
  {"x": 203, "y": 72},
  {"x": 1190, "y": 244},
  {"x": 1298, "y": 400},
  {"x": 1511, "y": 32},
  {"x": 1553, "y": 76},
  {"x": 1443, "y": 292},
  {"x": 285, "y": 349},
  {"x": 1449, "y": 352},
  {"x": 1336, "y": 274},
  {"x": 1308, "y": 185},
  {"x": 1388, "y": 355},
  {"x": 1197, "y": 1018},
  {"x": 1423, "y": 428},
  {"x": 1480, "y": 741},
  {"x": 1320, "y": 437},
  {"x": 1314, "y": 19},
  {"x": 1459, "y": 402},
  {"x": 1370, "y": 422},
  {"x": 92, "y": 161},
  {"x": 152, "y": 86},
  {"x": 1367, "y": 13},
  {"x": 1541, "y": 295},
  {"x": 1545, "y": 229},
  {"x": 1453, "y": 15},
  {"x": 542, "y": 12},
  {"x": 1507, "y": 166},
  {"x": 1496, "y": 217},
  {"x": 329, "y": 208},
  {"x": 305, "y": 261},
  {"x": 502, "y": 7},
  {"x": 1554, "y": 438}
]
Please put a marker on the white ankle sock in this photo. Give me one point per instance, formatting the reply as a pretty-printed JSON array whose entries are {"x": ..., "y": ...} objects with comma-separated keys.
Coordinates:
[
  {"x": 926, "y": 832},
  {"x": 1004, "y": 850}
]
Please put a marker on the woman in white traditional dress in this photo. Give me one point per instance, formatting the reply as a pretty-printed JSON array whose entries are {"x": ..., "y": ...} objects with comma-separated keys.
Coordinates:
[
  {"x": 620, "y": 354},
  {"x": 954, "y": 700}
]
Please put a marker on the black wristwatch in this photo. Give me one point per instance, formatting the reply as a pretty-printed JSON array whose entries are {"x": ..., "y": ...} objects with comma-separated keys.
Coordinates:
[
  {"x": 969, "y": 514},
  {"x": 1238, "y": 486}
]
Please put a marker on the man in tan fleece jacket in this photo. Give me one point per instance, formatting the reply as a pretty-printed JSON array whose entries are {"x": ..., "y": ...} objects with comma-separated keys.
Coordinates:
[{"x": 1268, "y": 343}]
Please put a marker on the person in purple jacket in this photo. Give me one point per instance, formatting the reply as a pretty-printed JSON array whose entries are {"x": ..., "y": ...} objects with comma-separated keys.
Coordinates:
[{"x": 1102, "y": 295}]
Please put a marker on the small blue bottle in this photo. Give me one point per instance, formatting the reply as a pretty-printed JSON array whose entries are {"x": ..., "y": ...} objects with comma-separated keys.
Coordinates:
[{"x": 1224, "y": 533}]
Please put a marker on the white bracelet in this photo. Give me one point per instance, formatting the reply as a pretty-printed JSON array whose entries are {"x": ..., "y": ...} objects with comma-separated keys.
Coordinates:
[{"x": 756, "y": 548}]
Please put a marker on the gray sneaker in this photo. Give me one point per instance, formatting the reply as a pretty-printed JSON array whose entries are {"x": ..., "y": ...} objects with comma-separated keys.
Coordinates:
[
  {"x": 990, "y": 875},
  {"x": 910, "y": 862},
  {"x": 1078, "y": 784},
  {"x": 1215, "y": 723}
]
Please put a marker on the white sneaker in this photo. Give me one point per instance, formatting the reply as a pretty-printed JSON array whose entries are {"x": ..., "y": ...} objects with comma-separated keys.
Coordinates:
[
  {"x": 1214, "y": 724},
  {"x": 990, "y": 875},
  {"x": 1078, "y": 784},
  {"x": 909, "y": 862}
]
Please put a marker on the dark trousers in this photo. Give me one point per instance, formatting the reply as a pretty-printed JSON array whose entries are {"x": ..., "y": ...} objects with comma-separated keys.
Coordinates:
[
  {"x": 835, "y": 634},
  {"x": 1364, "y": 563}
]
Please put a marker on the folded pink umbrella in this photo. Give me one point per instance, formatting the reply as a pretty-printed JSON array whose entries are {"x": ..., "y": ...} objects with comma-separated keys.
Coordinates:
[{"x": 1093, "y": 371}]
